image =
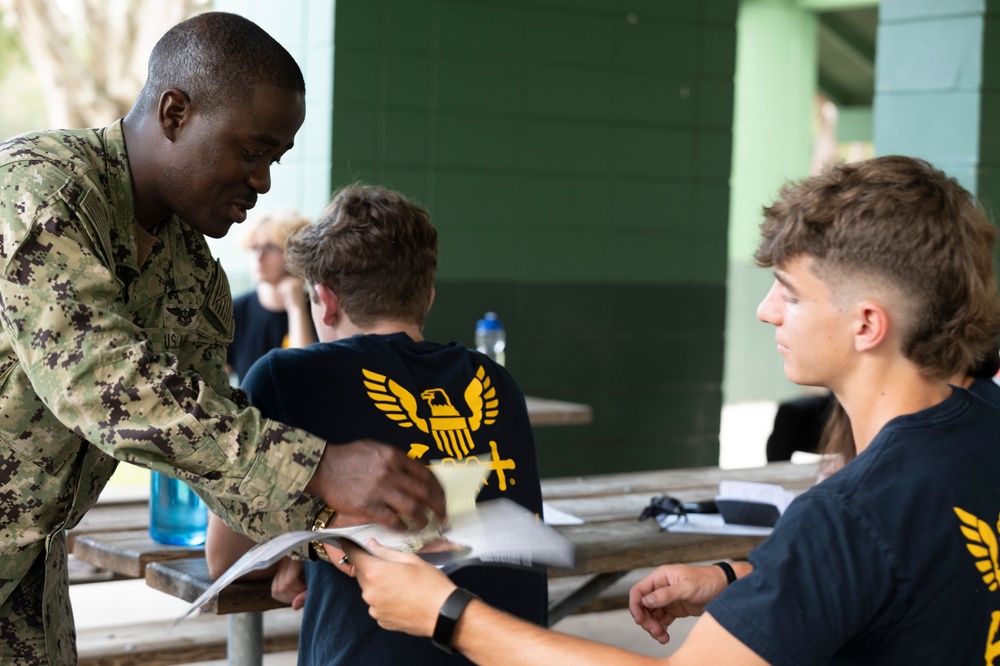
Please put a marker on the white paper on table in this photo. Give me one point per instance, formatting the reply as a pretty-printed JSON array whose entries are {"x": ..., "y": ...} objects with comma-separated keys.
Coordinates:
[
  {"x": 712, "y": 523},
  {"x": 554, "y": 516},
  {"x": 752, "y": 491},
  {"x": 494, "y": 532}
]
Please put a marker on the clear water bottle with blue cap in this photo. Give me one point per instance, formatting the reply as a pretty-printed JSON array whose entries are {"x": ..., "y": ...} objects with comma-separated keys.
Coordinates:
[
  {"x": 177, "y": 517},
  {"x": 491, "y": 339}
]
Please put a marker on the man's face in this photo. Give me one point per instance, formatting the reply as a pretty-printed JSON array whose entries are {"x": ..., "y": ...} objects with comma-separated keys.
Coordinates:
[
  {"x": 813, "y": 331},
  {"x": 226, "y": 157}
]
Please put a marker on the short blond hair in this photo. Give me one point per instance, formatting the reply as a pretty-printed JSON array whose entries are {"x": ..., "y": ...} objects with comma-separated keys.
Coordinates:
[{"x": 279, "y": 224}]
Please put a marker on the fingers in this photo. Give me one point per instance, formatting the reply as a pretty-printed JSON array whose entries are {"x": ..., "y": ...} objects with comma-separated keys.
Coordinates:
[
  {"x": 365, "y": 561},
  {"x": 389, "y": 554},
  {"x": 635, "y": 605},
  {"x": 662, "y": 597},
  {"x": 410, "y": 489},
  {"x": 358, "y": 556},
  {"x": 288, "y": 583},
  {"x": 351, "y": 549},
  {"x": 378, "y": 483},
  {"x": 404, "y": 593},
  {"x": 339, "y": 559}
]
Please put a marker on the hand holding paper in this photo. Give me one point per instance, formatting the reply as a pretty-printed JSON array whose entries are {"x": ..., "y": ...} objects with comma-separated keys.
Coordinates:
[{"x": 493, "y": 532}]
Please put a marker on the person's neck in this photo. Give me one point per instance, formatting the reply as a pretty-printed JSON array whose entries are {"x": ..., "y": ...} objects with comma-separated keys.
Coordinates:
[
  {"x": 150, "y": 211},
  {"x": 347, "y": 329},
  {"x": 877, "y": 394}
]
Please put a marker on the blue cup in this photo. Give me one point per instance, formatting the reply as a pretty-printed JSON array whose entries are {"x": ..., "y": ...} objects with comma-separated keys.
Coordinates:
[{"x": 177, "y": 517}]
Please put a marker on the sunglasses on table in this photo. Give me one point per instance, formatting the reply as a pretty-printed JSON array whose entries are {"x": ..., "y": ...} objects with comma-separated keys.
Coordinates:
[{"x": 674, "y": 510}]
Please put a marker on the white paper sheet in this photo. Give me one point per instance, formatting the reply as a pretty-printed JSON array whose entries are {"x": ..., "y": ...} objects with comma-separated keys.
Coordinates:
[
  {"x": 554, "y": 516},
  {"x": 494, "y": 532},
  {"x": 752, "y": 491}
]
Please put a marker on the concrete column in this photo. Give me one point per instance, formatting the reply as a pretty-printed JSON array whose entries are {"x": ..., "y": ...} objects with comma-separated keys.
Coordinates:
[
  {"x": 937, "y": 91},
  {"x": 776, "y": 72}
]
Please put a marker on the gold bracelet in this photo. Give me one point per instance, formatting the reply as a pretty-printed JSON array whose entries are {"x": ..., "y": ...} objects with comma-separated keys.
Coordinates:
[{"x": 323, "y": 518}]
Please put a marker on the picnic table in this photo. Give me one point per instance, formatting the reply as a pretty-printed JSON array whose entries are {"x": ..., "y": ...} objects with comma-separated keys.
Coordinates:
[{"x": 610, "y": 543}]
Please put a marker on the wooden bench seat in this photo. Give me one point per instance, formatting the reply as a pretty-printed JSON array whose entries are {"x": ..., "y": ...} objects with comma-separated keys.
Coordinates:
[{"x": 196, "y": 639}]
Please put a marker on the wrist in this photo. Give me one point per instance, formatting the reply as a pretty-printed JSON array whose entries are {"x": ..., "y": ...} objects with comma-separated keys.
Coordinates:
[
  {"x": 448, "y": 617},
  {"x": 323, "y": 519},
  {"x": 742, "y": 568},
  {"x": 727, "y": 570}
]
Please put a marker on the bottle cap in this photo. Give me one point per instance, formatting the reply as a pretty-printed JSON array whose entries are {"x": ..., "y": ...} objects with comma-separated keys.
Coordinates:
[{"x": 490, "y": 322}]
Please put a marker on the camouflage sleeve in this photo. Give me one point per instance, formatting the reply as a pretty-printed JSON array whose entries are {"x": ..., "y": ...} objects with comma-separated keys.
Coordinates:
[{"x": 65, "y": 322}]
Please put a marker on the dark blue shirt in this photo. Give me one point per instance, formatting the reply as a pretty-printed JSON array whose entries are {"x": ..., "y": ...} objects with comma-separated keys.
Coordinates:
[
  {"x": 891, "y": 560},
  {"x": 441, "y": 404}
]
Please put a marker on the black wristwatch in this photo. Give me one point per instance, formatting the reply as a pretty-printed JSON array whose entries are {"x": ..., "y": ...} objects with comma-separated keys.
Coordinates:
[{"x": 451, "y": 610}]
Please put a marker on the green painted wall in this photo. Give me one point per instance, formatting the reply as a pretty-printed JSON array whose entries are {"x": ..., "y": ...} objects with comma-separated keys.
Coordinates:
[{"x": 575, "y": 156}]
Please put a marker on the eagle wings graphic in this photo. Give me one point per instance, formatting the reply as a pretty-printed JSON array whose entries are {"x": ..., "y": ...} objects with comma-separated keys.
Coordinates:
[
  {"x": 451, "y": 429},
  {"x": 982, "y": 544}
]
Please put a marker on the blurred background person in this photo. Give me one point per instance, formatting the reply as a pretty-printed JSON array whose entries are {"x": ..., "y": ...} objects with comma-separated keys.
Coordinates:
[{"x": 276, "y": 313}]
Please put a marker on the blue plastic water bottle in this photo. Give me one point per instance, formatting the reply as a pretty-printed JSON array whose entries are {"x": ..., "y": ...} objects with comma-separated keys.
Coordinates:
[
  {"x": 491, "y": 339},
  {"x": 177, "y": 516}
]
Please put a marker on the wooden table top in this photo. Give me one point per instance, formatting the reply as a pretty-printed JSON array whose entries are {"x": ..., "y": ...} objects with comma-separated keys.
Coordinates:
[{"x": 611, "y": 540}]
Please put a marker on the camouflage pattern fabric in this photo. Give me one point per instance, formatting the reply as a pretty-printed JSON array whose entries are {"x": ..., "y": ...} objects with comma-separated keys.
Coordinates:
[{"x": 101, "y": 361}]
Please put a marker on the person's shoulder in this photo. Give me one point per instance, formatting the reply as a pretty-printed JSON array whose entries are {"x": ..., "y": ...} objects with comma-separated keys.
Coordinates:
[
  {"x": 44, "y": 162},
  {"x": 244, "y": 300},
  {"x": 318, "y": 358},
  {"x": 987, "y": 389},
  {"x": 293, "y": 362},
  {"x": 63, "y": 148}
]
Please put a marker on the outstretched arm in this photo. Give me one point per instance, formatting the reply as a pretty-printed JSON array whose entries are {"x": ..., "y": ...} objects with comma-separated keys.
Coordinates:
[
  {"x": 674, "y": 591},
  {"x": 405, "y": 594},
  {"x": 224, "y": 546}
]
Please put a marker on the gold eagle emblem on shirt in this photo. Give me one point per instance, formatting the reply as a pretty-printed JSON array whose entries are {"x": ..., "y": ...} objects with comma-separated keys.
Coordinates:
[
  {"x": 451, "y": 429},
  {"x": 981, "y": 541},
  {"x": 982, "y": 544}
]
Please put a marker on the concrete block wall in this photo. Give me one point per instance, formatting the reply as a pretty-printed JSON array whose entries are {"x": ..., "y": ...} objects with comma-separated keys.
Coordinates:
[{"x": 575, "y": 156}]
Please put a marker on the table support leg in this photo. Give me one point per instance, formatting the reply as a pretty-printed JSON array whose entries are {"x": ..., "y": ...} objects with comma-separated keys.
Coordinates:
[
  {"x": 571, "y": 602},
  {"x": 246, "y": 639}
]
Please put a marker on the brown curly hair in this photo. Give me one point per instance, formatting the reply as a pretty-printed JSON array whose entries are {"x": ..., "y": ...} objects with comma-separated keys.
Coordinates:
[
  {"x": 900, "y": 222},
  {"x": 373, "y": 248}
]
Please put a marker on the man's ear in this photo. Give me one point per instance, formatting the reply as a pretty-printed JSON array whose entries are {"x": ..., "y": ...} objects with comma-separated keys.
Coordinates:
[
  {"x": 329, "y": 304},
  {"x": 173, "y": 112},
  {"x": 431, "y": 304},
  {"x": 871, "y": 326}
]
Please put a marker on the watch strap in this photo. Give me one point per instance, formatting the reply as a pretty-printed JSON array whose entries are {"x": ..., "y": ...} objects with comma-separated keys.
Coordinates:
[
  {"x": 323, "y": 518},
  {"x": 451, "y": 610},
  {"x": 727, "y": 568}
]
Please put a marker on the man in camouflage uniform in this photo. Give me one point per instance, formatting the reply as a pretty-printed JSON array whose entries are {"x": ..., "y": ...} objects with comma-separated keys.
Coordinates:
[{"x": 116, "y": 319}]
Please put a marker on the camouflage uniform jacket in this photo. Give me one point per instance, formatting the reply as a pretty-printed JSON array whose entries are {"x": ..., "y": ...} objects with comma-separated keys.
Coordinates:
[{"x": 100, "y": 361}]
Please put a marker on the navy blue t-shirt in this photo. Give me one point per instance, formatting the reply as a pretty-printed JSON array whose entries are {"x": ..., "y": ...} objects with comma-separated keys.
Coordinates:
[
  {"x": 436, "y": 402},
  {"x": 987, "y": 389},
  {"x": 256, "y": 331},
  {"x": 892, "y": 560}
]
